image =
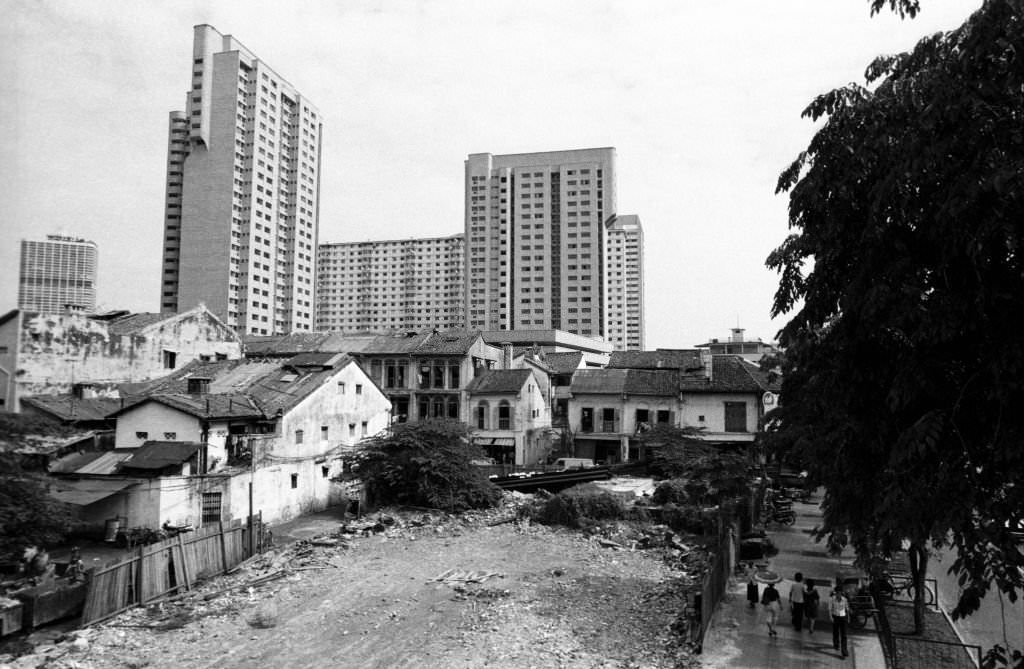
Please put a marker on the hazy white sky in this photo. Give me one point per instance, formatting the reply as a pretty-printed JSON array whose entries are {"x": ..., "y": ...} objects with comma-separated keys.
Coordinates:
[{"x": 702, "y": 101}]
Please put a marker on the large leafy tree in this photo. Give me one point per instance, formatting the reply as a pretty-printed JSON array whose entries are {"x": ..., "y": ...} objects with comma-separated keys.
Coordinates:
[
  {"x": 428, "y": 463},
  {"x": 28, "y": 515},
  {"x": 903, "y": 383}
]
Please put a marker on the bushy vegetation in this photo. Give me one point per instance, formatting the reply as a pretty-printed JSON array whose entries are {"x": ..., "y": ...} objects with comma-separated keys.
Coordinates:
[
  {"x": 428, "y": 463},
  {"x": 580, "y": 506},
  {"x": 683, "y": 518},
  {"x": 28, "y": 515},
  {"x": 672, "y": 491}
]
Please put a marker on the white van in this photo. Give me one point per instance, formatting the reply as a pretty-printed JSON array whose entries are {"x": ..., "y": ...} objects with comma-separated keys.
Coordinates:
[{"x": 574, "y": 463}]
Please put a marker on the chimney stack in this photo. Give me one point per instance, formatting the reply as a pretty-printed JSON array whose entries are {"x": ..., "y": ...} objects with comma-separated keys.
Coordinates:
[{"x": 506, "y": 355}]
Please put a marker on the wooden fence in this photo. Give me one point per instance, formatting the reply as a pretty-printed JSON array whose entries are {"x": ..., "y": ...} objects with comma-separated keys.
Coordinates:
[{"x": 169, "y": 567}]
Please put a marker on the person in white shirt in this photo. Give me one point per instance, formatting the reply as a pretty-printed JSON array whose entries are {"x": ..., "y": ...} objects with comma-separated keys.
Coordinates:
[
  {"x": 839, "y": 608},
  {"x": 796, "y": 601}
]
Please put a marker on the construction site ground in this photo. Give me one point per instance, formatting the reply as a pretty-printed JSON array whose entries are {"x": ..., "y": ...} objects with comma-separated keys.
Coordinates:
[{"x": 509, "y": 595}]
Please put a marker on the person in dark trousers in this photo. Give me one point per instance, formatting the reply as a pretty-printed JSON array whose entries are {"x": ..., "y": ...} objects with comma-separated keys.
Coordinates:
[
  {"x": 796, "y": 601},
  {"x": 811, "y": 601},
  {"x": 752, "y": 594},
  {"x": 839, "y": 608},
  {"x": 770, "y": 598}
]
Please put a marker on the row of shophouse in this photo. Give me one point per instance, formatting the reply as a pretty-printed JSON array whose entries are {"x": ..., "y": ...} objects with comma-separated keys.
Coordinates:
[{"x": 199, "y": 426}]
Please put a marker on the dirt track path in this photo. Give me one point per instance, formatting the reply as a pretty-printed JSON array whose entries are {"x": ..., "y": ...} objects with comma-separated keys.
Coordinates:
[{"x": 563, "y": 601}]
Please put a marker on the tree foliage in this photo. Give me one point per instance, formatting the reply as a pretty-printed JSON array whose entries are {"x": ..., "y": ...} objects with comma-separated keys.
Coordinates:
[
  {"x": 707, "y": 473},
  {"x": 903, "y": 378},
  {"x": 428, "y": 463},
  {"x": 28, "y": 515}
]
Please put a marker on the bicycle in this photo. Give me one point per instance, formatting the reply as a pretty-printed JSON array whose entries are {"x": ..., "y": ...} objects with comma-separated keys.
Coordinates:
[{"x": 902, "y": 588}]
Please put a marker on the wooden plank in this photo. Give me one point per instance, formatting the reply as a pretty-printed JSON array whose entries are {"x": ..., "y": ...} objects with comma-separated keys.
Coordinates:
[
  {"x": 223, "y": 547},
  {"x": 184, "y": 562}
]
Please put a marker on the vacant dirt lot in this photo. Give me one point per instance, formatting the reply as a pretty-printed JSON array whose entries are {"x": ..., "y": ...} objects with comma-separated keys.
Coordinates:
[{"x": 552, "y": 598}]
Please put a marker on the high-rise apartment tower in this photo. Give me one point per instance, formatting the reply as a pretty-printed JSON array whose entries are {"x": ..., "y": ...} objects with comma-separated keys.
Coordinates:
[
  {"x": 384, "y": 286},
  {"x": 57, "y": 274},
  {"x": 243, "y": 193},
  {"x": 534, "y": 239},
  {"x": 538, "y": 228},
  {"x": 624, "y": 283}
]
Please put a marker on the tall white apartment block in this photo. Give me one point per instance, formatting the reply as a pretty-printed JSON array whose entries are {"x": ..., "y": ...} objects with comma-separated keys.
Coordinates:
[
  {"x": 243, "y": 185},
  {"x": 624, "y": 283},
  {"x": 57, "y": 274},
  {"x": 535, "y": 226},
  {"x": 384, "y": 286}
]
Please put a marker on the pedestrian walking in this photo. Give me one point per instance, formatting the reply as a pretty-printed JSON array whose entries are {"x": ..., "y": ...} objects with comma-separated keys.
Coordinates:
[
  {"x": 811, "y": 600},
  {"x": 839, "y": 608},
  {"x": 796, "y": 601},
  {"x": 752, "y": 594},
  {"x": 770, "y": 599}
]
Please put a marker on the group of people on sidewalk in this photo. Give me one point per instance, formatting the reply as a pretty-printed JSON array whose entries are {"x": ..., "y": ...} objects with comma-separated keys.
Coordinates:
[{"x": 804, "y": 602}]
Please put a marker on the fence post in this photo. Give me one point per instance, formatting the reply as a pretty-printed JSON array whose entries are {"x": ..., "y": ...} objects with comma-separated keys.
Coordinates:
[
  {"x": 184, "y": 563},
  {"x": 223, "y": 547},
  {"x": 139, "y": 571}
]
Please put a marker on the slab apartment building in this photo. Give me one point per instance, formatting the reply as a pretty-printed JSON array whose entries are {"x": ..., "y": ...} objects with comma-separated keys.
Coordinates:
[
  {"x": 393, "y": 285},
  {"x": 57, "y": 274},
  {"x": 536, "y": 229},
  {"x": 243, "y": 185}
]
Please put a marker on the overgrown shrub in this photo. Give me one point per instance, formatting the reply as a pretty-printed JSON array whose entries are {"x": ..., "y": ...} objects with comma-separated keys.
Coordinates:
[
  {"x": 683, "y": 518},
  {"x": 428, "y": 463},
  {"x": 671, "y": 491},
  {"x": 580, "y": 506}
]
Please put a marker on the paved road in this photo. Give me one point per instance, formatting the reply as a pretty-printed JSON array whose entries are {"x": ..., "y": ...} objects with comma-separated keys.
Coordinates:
[{"x": 986, "y": 627}]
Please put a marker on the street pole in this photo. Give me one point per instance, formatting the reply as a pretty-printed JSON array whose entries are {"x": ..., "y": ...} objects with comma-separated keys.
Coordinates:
[{"x": 252, "y": 478}]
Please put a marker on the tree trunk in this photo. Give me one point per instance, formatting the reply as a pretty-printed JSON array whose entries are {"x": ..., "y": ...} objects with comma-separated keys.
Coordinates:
[{"x": 918, "y": 555}]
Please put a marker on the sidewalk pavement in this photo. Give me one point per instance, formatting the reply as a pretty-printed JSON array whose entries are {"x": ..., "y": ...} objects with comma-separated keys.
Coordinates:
[{"x": 738, "y": 636}]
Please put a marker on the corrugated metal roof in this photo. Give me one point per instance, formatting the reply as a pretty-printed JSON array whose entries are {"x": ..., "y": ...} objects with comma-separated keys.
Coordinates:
[
  {"x": 155, "y": 455},
  {"x": 86, "y": 491},
  {"x": 102, "y": 463},
  {"x": 499, "y": 381}
]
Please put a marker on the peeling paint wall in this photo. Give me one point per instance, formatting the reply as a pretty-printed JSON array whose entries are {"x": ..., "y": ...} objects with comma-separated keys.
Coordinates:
[{"x": 57, "y": 350}]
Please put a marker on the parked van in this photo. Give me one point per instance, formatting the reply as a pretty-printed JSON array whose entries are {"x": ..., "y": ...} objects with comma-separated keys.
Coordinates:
[{"x": 574, "y": 463}]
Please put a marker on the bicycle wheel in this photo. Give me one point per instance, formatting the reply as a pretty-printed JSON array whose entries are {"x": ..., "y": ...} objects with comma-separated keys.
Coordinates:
[
  {"x": 929, "y": 595},
  {"x": 789, "y": 519},
  {"x": 858, "y": 620}
]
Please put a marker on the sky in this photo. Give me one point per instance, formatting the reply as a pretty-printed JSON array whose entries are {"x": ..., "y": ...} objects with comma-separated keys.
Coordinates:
[{"x": 702, "y": 101}]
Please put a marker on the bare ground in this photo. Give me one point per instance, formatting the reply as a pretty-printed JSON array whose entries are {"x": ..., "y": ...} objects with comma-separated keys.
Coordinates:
[{"x": 556, "y": 599}]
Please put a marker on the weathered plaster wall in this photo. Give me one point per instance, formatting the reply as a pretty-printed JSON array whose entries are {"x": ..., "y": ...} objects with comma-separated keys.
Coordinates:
[
  {"x": 58, "y": 350},
  {"x": 712, "y": 407}
]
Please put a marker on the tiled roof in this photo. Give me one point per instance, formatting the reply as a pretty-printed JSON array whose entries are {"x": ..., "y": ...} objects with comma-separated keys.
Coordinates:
[
  {"x": 662, "y": 382},
  {"x": 284, "y": 345},
  {"x": 314, "y": 360},
  {"x": 285, "y": 387},
  {"x": 155, "y": 455},
  {"x": 598, "y": 381},
  {"x": 499, "y": 381},
  {"x": 70, "y": 408},
  {"x": 134, "y": 323},
  {"x": 661, "y": 358},
  {"x": 651, "y": 382},
  {"x": 450, "y": 342},
  {"x": 246, "y": 388},
  {"x": 208, "y": 406},
  {"x": 395, "y": 344},
  {"x": 729, "y": 374},
  {"x": 305, "y": 342},
  {"x": 563, "y": 363}
]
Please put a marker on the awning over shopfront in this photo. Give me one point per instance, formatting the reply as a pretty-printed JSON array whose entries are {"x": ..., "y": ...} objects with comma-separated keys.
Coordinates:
[
  {"x": 507, "y": 442},
  {"x": 84, "y": 492}
]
